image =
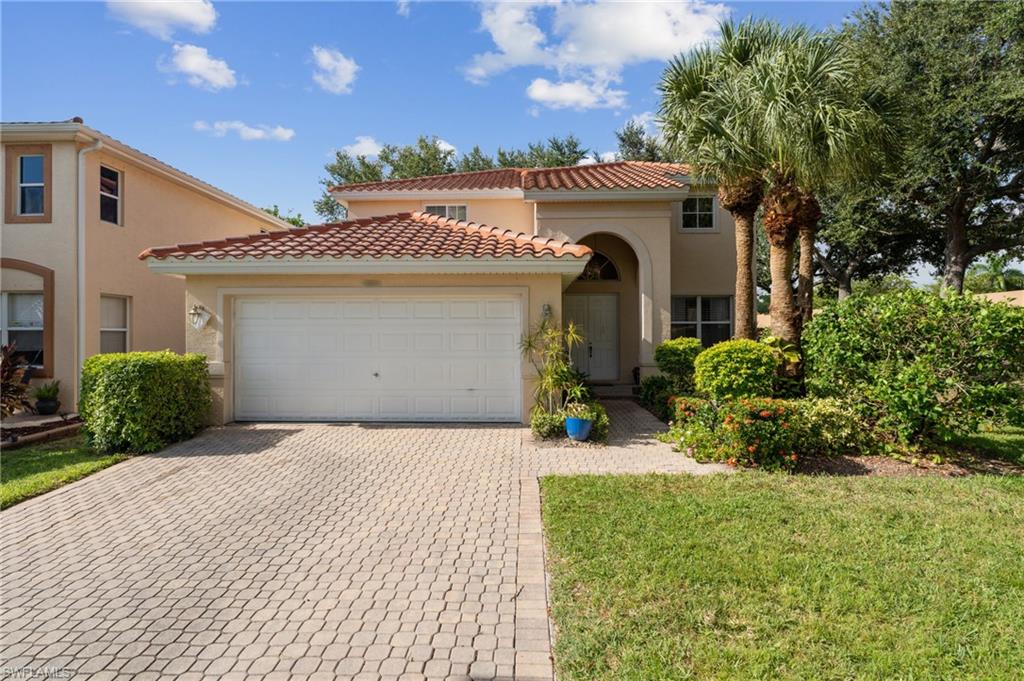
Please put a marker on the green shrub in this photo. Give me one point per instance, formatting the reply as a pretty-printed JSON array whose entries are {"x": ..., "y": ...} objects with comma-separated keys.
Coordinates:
[
  {"x": 143, "y": 401},
  {"x": 602, "y": 424},
  {"x": 675, "y": 359},
  {"x": 830, "y": 427},
  {"x": 735, "y": 368},
  {"x": 922, "y": 367},
  {"x": 544, "y": 424},
  {"x": 656, "y": 393}
]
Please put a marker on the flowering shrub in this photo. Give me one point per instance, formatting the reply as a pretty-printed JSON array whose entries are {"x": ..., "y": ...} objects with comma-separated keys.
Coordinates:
[{"x": 748, "y": 432}]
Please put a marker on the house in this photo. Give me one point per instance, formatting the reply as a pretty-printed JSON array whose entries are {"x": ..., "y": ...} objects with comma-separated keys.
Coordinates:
[
  {"x": 413, "y": 308},
  {"x": 78, "y": 207},
  {"x": 1012, "y": 298}
]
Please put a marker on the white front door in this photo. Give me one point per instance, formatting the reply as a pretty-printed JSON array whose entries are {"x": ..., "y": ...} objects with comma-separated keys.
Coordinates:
[
  {"x": 383, "y": 357},
  {"x": 597, "y": 316}
]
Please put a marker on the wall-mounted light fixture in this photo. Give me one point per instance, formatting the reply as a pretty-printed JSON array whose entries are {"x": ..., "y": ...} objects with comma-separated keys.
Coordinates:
[
  {"x": 546, "y": 311},
  {"x": 199, "y": 317}
]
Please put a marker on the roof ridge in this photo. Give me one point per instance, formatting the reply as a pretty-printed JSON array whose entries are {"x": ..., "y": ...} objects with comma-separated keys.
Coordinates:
[
  {"x": 424, "y": 177},
  {"x": 521, "y": 237}
]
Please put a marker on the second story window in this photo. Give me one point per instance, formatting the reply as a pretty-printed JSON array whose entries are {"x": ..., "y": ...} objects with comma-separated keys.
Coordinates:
[
  {"x": 698, "y": 214},
  {"x": 27, "y": 187},
  {"x": 110, "y": 195},
  {"x": 31, "y": 184},
  {"x": 456, "y": 212}
]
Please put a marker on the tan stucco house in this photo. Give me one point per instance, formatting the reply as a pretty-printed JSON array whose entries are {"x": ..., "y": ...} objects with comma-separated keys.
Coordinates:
[
  {"x": 78, "y": 207},
  {"x": 414, "y": 307}
]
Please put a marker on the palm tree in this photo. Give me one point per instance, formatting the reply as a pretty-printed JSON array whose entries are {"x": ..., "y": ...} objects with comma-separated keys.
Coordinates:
[
  {"x": 817, "y": 127},
  {"x": 706, "y": 124}
]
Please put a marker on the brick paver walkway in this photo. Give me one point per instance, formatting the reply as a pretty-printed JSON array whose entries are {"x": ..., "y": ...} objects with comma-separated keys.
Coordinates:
[{"x": 300, "y": 551}]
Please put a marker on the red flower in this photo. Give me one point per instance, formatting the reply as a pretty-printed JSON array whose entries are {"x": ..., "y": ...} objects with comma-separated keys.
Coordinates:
[
  {"x": 765, "y": 414},
  {"x": 752, "y": 448}
]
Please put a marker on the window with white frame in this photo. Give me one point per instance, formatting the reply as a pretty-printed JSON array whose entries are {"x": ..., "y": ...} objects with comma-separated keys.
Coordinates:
[
  {"x": 110, "y": 195},
  {"x": 31, "y": 184},
  {"x": 114, "y": 311},
  {"x": 708, "y": 318},
  {"x": 21, "y": 319},
  {"x": 698, "y": 212},
  {"x": 457, "y": 212}
]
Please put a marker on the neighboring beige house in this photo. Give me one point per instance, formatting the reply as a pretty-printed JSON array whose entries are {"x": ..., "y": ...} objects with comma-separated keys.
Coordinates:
[
  {"x": 78, "y": 207},
  {"x": 397, "y": 314},
  {"x": 1014, "y": 298}
]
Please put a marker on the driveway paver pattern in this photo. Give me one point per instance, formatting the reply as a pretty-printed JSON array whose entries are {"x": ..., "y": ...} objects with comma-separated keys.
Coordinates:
[{"x": 300, "y": 551}]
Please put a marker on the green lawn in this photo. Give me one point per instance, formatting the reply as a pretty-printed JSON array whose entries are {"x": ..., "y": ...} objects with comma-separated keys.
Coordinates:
[
  {"x": 1003, "y": 443},
  {"x": 758, "y": 576},
  {"x": 33, "y": 470}
]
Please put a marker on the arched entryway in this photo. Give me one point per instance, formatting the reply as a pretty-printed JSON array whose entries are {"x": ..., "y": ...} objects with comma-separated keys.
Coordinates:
[{"x": 604, "y": 302}]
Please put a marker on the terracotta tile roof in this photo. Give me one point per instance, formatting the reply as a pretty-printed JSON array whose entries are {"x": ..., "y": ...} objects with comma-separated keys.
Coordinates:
[
  {"x": 619, "y": 175},
  {"x": 417, "y": 235}
]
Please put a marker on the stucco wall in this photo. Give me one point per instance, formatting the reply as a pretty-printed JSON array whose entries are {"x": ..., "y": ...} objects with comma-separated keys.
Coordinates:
[
  {"x": 217, "y": 293},
  {"x": 704, "y": 263},
  {"x": 51, "y": 245},
  {"x": 513, "y": 214},
  {"x": 155, "y": 211}
]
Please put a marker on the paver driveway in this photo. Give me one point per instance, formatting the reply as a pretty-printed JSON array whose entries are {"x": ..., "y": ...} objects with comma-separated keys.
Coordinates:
[{"x": 299, "y": 550}]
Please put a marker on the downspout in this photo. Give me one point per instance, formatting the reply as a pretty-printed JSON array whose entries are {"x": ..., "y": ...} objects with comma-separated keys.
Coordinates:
[{"x": 80, "y": 352}]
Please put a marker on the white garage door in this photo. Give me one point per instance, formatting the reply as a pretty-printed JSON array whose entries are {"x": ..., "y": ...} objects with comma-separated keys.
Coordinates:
[{"x": 385, "y": 358}]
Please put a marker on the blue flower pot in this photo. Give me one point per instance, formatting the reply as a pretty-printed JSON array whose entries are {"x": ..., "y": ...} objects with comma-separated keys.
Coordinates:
[{"x": 578, "y": 429}]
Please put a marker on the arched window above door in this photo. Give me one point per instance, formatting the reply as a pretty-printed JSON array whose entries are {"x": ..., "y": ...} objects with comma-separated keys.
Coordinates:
[{"x": 599, "y": 268}]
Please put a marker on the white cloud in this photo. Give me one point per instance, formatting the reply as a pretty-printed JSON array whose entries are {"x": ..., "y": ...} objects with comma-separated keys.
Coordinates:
[
  {"x": 162, "y": 18},
  {"x": 604, "y": 157},
  {"x": 199, "y": 68},
  {"x": 363, "y": 146},
  {"x": 244, "y": 131},
  {"x": 590, "y": 43},
  {"x": 402, "y": 7},
  {"x": 575, "y": 94},
  {"x": 334, "y": 72},
  {"x": 445, "y": 145},
  {"x": 648, "y": 120}
]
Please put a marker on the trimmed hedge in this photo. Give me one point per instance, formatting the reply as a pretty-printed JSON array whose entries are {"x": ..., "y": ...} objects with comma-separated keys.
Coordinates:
[
  {"x": 143, "y": 401},
  {"x": 736, "y": 368},
  {"x": 675, "y": 359},
  {"x": 656, "y": 393}
]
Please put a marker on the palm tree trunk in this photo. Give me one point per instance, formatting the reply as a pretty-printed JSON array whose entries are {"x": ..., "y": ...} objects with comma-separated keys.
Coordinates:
[
  {"x": 742, "y": 198},
  {"x": 746, "y": 320},
  {"x": 781, "y": 208},
  {"x": 808, "y": 217}
]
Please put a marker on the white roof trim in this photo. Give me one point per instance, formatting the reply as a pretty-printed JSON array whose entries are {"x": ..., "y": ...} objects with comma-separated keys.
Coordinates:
[
  {"x": 548, "y": 264},
  {"x": 79, "y": 132},
  {"x": 343, "y": 196}
]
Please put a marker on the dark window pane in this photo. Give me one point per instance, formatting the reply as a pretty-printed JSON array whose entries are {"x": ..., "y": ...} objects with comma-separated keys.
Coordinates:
[
  {"x": 684, "y": 309},
  {"x": 689, "y": 221},
  {"x": 704, "y": 204},
  {"x": 684, "y": 330},
  {"x": 31, "y": 169},
  {"x": 713, "y": 333},
  {"x": 715, "y": 309},
  {"x": 32, "y": 200},
  {"x": 460, "y": 213},
  {"x": 706, "y": 220},
  {"x": 689, "y": 205},
  {"x": 110, "y": 181},
  {"x": 435, "y": 210},
  {"x": 113, "y": 341},
  {"x": 108, "y": 209},
  {"x": 29, "y": 345}
]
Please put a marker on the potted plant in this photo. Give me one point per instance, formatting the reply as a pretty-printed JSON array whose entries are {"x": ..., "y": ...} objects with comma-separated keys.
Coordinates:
[
  {"x": 46, "y": 398},
  {"x": 579, "y": 418}
]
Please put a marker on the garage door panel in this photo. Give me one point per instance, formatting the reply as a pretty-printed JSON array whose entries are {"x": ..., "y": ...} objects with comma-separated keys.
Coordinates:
[{"x": 381, "y": 358}]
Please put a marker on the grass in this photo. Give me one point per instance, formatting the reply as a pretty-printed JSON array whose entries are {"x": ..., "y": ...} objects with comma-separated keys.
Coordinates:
[
  {"x": 32, "y": 470},
  {"x": 1001, "y": 443},
  {"x": 758, "y": 576}
]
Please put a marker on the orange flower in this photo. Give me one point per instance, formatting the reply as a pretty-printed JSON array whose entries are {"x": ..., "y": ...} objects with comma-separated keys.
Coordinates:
[
  {"x": 765, "y": 414},
  {"x": 793, "y": 457},
  {"x": 785, "y": 425},
  {"x": 752, "y": 448}
]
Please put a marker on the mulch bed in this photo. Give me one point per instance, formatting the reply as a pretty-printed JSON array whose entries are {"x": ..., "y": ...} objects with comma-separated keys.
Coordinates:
[
  {"x": 18, "y": 432},
  {"x": 885, "y": 466}
]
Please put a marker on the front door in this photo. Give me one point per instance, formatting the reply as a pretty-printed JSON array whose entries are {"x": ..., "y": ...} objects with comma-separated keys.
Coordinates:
[{"x": 597, "y": 316}]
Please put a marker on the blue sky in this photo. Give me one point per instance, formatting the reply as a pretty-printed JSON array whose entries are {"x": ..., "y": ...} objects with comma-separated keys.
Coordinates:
[{"x": 255, "y": 96}]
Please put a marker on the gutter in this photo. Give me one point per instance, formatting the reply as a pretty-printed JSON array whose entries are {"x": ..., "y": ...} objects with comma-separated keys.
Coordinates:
[{"x": 80, "y": 352}]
